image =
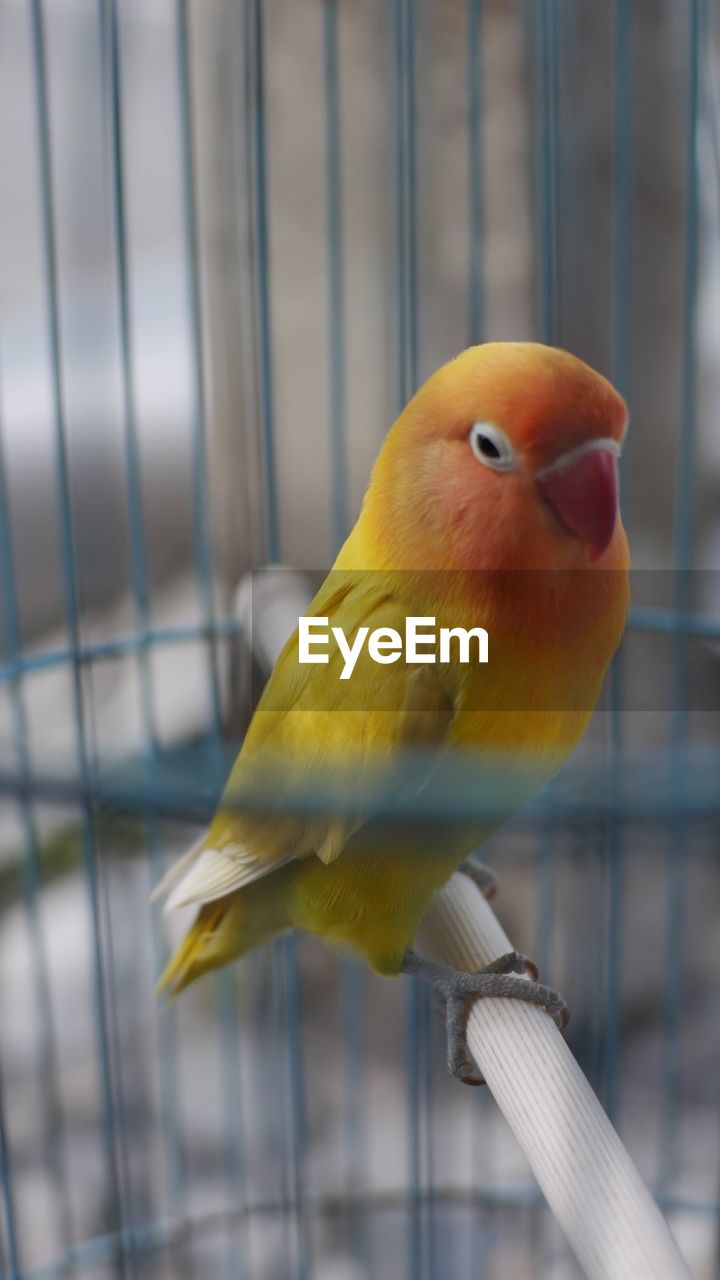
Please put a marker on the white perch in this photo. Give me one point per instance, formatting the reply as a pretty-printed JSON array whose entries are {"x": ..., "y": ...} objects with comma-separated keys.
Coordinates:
[
  {"x": 589, "y": 1181},
  {"x": 587, "y": 1177}
]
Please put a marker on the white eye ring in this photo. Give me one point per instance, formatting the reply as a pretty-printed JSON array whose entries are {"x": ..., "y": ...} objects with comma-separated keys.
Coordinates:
[{"x": 491, "y": 446}]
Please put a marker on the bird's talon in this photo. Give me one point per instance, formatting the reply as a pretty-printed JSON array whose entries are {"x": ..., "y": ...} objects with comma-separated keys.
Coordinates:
[
  {"x": 468, "y": 1074},
  {"x": 511, "y": 962},
  {"x": 482, "y": 876},
  {"x": 499, "y": 979},
  {"x": 559, "y": 1012}
]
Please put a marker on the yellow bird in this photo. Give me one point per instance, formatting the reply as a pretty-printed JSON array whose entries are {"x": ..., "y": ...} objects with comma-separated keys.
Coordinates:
[{"x": 493, "y": 504}]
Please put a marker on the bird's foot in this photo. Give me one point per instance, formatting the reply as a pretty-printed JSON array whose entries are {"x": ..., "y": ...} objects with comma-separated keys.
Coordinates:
[
  {"x": 497, "y": 980},
  {"x": 484, "y": 877}
]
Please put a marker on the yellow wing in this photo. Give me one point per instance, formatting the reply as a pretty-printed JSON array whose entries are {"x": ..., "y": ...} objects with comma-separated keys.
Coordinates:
[{"x": 310, "y": 723}]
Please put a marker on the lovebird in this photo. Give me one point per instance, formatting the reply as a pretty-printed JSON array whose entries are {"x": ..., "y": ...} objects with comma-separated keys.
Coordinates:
[{"x": 493, "y": 503}]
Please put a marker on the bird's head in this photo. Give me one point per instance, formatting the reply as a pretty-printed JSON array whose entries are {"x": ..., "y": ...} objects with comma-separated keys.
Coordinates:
[{"x": 507, "y": 457}]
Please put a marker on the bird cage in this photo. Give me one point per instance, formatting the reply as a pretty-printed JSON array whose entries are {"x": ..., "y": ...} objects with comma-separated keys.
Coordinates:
[{"x": 237, "y": 235}]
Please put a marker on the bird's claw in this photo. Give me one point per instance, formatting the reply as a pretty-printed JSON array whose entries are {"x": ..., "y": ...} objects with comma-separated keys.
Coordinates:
[
  {"x": 498, "y": 979},
  {"x": 484, "y": 877}
]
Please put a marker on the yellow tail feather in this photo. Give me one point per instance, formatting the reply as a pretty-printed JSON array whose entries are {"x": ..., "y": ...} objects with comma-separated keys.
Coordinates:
[
  {"x": 228, "y": 928},
  {"x": 196, "y": 953}
]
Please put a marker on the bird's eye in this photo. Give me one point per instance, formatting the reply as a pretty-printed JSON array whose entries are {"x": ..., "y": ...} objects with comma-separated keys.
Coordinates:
[{"x": 491, "y": 446}]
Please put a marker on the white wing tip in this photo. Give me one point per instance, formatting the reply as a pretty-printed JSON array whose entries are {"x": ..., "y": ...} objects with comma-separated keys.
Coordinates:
[
  {"x": 214, "y": 874},
  {"x": 175, "y": 872}
]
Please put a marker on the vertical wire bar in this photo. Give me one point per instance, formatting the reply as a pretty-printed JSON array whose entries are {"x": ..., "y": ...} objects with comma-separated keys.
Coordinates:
[
  {"x": 278, "y": 1075},
  {"x": 622, "y": 213},
  {"x": 260, "y": 260},
  {"x": 415, "y": 1250},
  {"x": 547, "y": 177},
  {"x": 407, "y": 374},
  {"x": 7, "y": 1201},
  {"x": 7, "y": 1204},
  {"x": 476, "y": 333},
  {"x": 676, "y": 923},
  {"x": 548, "y": 277},
  {"x": 546, "y": 907},
  {"x": 685, "y": 520},
  {"x": 202, "y": 537},
  {"x": 406, "y": 231},
  {"x": 712, "y": 108},
  {"x": 111, "y": 64},
  {"x": 139, "y": 583},
  {"x": 622, "y": 295},
  {"x": 548, "y": 270},
  {"x": 72, "y": 617},
  {"x": 419, "y": 1118},
  {"x": 202, "y": 540},
  {"x": 352, "y": 985},
  {"x": 47, "y": 1052},
  {"x": 165, "y": 1023},
  {"x": 232, "y": 1089},
  {"x": 612, "y": 1060},
  {"x": 296, "y": 1096},
  {"x": 285, "y": 948},
  {"x": 476, "y": 299},
  {"x": 428, "y": 1095},
  {"x": 352, "y": 980},
  {"x": 716, "y": 1058},
  {"x": 258, "y": 152},
  {"x": 336, "y": 354},
  {"x": 133, "y": 483},
  {"x": 547, "y": 170}
]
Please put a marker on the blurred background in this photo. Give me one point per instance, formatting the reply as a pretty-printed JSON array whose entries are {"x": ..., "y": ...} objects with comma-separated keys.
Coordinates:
[{"x": 235, "y": 236}]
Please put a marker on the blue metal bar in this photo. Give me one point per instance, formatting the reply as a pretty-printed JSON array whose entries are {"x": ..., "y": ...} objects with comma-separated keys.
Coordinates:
[
  {"x": 148, "y": 1237},
  {"x": 687, "y": 454},
  {"x": 202, "y": 537},
  {"x": 71, "y": 601},
  {"x": 336, "y": 319},
  {"x": 548, "y": 277},
  {"x": 406, "y": 165},
  {"x": 10, "y": 1255},
  {"x": 612, "y": 1044},
  {"x": 233, "y": 1121},
  {"x": 296, "y": 1101},
  {"x": 546, "y": 904},
  {"x": 47, "y": 1053},
  {"x": 677, "y": 621},
  {"x": 621, "y": 352},
  {"x": 676, "y": 923},
  {"x": 352, "y": 996},
  {"x": 547, "y": 170},
  {"x": 133, "y": 482},
  {"x": 230, "y": 1053},
  {"x": 118, "y": 647},
  {"x": 622, "y": 212},
  {"x": 431, "y": 1250},
  {"x": 260, "y": 266},
  {"x": 281, "y": 1082},
  {"x": 231, "y": 1075},
  {"x": 260, "y": 257},
  {"x": 352, "y": 986},
  {"x": 415, "y": 1242},
  {"x": 642, "y": 618},
  {"x": 407, "y": 367},
  {"x": 476, "y": 300},
  {"x": 137, "y": 544},
  {"x": 650, "y": 793}
]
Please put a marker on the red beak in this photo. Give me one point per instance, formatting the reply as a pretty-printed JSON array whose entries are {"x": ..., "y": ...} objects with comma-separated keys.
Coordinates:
[{"x": 582, "y": 489}]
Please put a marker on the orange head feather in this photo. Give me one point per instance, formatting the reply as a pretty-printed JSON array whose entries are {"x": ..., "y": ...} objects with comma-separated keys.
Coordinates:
[{"x": 505, "y": 459}]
